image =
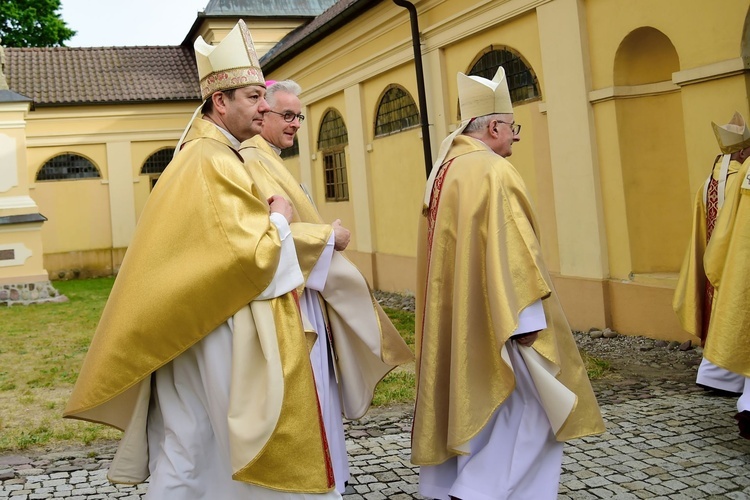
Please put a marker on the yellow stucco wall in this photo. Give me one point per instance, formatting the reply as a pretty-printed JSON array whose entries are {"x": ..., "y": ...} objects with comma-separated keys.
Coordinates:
[
  {"x": 702, "y": 32},
  {"x": 655, "y": 181},
  {"x": 397, "y": 171},
  {"x": 77, "y": 213},
  {"x": 329, "y": 210}
]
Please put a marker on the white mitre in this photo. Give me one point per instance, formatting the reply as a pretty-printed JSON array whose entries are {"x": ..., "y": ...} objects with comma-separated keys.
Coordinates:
[
  {"x": 231, "y": 64},
  {"x": 477, "y": 97},
  {"x": 734, "y": 136}
]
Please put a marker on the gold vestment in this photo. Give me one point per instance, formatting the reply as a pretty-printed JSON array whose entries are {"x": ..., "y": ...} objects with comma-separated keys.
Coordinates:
[
  {"x": 690, "y": 296},
  {"x": 203, "y": 250},
  {"x": 366, "y": 344},
  {"x": 727, "y": 264},
  {"x": 479, "y": 264}
]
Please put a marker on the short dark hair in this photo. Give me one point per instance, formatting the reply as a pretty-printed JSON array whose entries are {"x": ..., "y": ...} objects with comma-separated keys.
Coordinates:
[{"x": 208, "y": 106}]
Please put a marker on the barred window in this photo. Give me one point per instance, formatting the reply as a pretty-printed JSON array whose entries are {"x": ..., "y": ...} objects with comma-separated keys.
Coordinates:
[
  {"x": 157, "y": 162},
  {"x": 155, "y": 165},
  {"x": 332, "y": 131},
  {"x": 291, "y": 151},
  {"x": 68, "y": 166},
  {"x": 522, "y": 81},
  {"x": 332, "y": 140},
  {"x": 334, "y": 167},
  {"x": 397, "y": 111}
]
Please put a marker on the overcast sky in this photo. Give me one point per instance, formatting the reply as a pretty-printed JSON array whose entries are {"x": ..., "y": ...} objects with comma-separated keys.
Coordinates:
[{"x": 105, "y": 23}]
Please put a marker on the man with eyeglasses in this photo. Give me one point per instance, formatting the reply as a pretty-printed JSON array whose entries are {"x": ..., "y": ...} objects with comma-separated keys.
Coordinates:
[
  {"x": 200, "y": 355},
  {"x": 500, "y": 382},
  {"x": 340, "y": 312}
]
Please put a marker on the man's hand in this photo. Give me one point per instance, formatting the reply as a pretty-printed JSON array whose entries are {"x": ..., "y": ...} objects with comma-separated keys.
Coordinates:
[
  {"x": 527, "y": 339},
  {"x": 280, "y": 205},
  {"x": 341, "y": 235}
]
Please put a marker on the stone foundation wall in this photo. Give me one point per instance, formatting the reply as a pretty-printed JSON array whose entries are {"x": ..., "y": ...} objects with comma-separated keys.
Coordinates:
[{"x": 29, "y": 293}]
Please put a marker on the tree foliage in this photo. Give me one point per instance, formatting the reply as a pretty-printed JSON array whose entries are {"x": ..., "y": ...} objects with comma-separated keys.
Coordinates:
[{"x": 32, "y": 23}]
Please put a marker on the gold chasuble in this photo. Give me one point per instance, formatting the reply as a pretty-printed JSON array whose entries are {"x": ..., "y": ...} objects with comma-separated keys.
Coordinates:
[
  {"x": 366, "y": 344},
  {"x": 185, "y": 273},
  {"x": 727, "y": 263},
  {"x": 694, "y": 295},
  {"x": 479, "y": 264}
]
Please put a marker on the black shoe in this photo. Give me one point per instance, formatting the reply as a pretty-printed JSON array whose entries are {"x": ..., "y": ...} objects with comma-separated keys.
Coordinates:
[
  {"x": 743, "y": 422},
  {"x": 712, "y": 391}
]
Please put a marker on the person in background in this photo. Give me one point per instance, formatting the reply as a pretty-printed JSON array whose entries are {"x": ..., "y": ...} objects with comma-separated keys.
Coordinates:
[
  {"x": 694, "y": 295},
  {"x": 500, "y": 382},
  {"x": 727, "y": 266}
]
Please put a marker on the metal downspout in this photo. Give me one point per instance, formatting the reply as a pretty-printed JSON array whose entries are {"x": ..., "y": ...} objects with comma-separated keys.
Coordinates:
[{"x": 420, "y": 82}]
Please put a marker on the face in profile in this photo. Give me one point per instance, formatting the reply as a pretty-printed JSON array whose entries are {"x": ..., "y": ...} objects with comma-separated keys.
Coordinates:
[{"x": 244, "y": 112}]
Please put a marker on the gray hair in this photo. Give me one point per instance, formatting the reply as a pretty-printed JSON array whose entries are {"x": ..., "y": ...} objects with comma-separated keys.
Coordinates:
[
  {"x": 288, "y": 86},
  {"x": 479, "y": 123}
]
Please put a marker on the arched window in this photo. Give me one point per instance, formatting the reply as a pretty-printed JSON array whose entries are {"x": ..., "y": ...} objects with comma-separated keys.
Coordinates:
[
  {"x": 291, "y": 151},
  {"x": 68, "y": 166},
  {"x": 522, "y": 81},
  {"x": 156, "y": 163},
  {"x": 397, "y": 111},
  {"x": 332, "y": 140}
]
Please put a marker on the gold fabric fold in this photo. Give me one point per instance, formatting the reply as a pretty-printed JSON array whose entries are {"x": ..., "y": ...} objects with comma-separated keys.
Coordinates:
[
  {"x": 185, "y": 271},
  {"x": 204, "y": 249},
  {"x": 366, "y": 344},
  {"x": 727, "y": 265},
  {"x": 270, "y": 363},
  {"x": 690, "y": 293},
  {"x": 479, "y": 265}
]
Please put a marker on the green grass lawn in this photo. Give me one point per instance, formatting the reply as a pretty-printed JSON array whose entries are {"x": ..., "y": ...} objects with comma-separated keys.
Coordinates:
[{"x": 42, "y": 348}]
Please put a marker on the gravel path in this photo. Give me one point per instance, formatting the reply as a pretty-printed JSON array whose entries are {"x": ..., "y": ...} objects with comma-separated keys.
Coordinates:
[{"x": 666, "y": 439}]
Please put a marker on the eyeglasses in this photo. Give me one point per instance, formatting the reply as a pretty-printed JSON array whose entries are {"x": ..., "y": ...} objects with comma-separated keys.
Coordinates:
[
  {"x": 514, "y": 127},
  {"x": 289, "y": 116}
]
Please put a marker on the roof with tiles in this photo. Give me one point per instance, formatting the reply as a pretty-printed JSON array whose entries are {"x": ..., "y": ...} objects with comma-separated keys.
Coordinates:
[
  {"x": 54, "y": 76},
  {"x": 267, "y": 8},
  {"x": 341, "y": 12}
]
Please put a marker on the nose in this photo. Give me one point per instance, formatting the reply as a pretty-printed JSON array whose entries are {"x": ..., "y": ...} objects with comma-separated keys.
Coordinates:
[{"x": 263, "y": 106}]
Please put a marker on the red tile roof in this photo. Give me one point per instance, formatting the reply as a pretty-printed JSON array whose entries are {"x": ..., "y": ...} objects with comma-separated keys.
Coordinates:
[{"x": 55, "y": 76}]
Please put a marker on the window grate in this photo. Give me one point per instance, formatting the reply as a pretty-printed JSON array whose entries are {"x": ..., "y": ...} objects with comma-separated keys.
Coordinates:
[
  {"x": 397, "y": 111},
  {"x": 68, "y": 166},
  {"x": 157, "y": 162},
  {"x": 332, "y": 131},
  {"x": 522, "y": 82},
  {"x": 334, "y": 168}
]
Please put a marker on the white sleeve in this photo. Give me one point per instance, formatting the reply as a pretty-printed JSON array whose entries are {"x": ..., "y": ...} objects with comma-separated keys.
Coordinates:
[
  {"x": 319, "y": 273},
  {"x": 288, "y": 274},
  {"x": 531, "y": 319}
]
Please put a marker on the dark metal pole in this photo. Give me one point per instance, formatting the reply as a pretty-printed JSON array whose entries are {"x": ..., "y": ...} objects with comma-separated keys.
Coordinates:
[{"x": 420, "y": 82}]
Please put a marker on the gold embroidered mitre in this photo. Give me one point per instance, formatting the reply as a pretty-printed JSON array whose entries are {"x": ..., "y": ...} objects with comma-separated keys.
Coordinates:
[
  {"x": 231, "y": 64},
  {"x": 479, "y": 96},
  {"x": 734, "y": 136}
]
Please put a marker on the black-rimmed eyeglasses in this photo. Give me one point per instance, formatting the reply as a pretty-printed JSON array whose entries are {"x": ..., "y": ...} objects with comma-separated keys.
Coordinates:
[
  {"x": 514, "y": 127},
  {"x": 289, "y": 116}
]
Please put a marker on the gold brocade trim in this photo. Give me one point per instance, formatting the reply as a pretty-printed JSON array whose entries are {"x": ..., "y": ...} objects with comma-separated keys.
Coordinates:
[
  {"x": 231, "y": 79},
  {"x": 298, "y": 444}
]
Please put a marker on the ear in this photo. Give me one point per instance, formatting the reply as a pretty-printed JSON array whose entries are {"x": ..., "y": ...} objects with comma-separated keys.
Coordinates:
[
  {"x": 218, "y": 101},
  {"x": 492, "y": 128}
]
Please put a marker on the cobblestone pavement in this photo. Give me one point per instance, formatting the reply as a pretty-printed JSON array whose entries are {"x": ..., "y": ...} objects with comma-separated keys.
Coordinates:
[{"x": 665, "y": 439}]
